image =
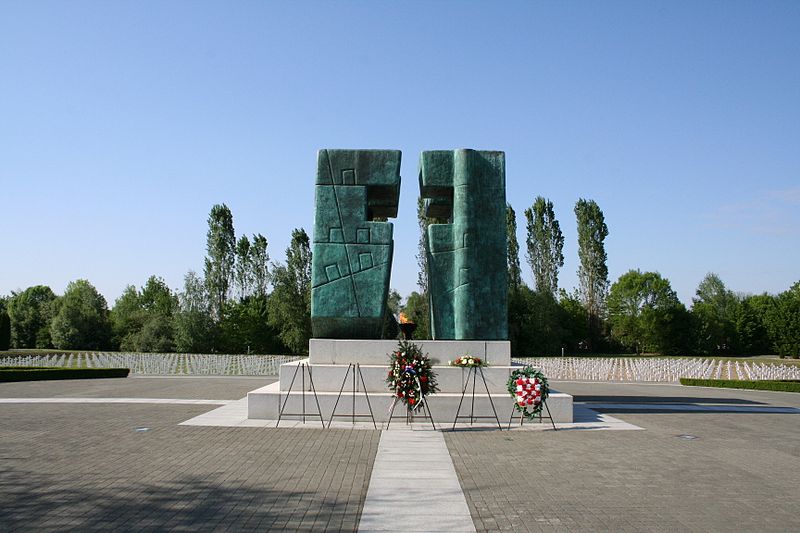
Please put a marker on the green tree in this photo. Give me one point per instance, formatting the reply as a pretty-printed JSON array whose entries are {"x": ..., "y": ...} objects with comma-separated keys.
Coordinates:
[
  {"x": 514, "y": 271},
  {"x": 391, "y": 329},
  {"x": 517, "y": 299},
  {"x": 245, "y": 328},
  {"x": 422, "y": 247},
  {"x": 5, "y": 326},
  {"x": 290, "y": 301},
  {"x": 593, "y": 270},
  {"x": 243, "y": 268},
  {"x": 783, "y": 322},
  {"x": 143, "y": 321},
  {"x": 30, "y": 313},
  {"x": 393, "y": 300},
  {"x": 545, "y": 244},
  {"x": 127, "y": 319},
  {"x": 81, "y": 322},
  {"x": 714, "y": 308},
  {"x": 576, "y": 323},
  {"x": 220, "y": 258},
  {"x": 422, "y": 308},
  {"x": 645, "y": 313},
  {"x": 159, "y": 304},
  {"x": 752, "y": 336},
  {"x": 417, "y": 311},
  {"x": 195, "y": 331},
  {"x": 538, "y": 323},
  {"x": 259, "y": 264}
]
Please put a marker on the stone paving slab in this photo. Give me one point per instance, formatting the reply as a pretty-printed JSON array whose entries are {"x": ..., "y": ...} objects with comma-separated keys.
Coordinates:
[
  {"x": 69, "y": 466},
  {"x": 166, "y": 401},
  {"x": 409, "y": 504},
  {"x": 740, "y": 472},
  {"x": 82, "y": 467},
  {"x": 185, "y": 387}
]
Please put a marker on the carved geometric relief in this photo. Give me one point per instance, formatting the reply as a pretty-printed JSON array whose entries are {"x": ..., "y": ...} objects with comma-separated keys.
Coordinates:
[
  {"x": 351, "y": 261},
  {"x": 332, "y": 272},
  {"x": 467, "y": 255}
]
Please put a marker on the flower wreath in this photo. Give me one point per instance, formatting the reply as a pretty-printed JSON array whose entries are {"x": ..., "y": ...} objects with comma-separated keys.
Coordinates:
[
  {"x": 529, "y": 388},
  {"x": 411, "y": 376},
  {"x": 467, "y": 361}
]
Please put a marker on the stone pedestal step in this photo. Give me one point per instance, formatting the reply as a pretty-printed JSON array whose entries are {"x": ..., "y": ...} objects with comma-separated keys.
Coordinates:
[
  {"x": 264, "y": 403},
  {"x": 376, "y": 352},
  {"x": 328, "y": 378}
]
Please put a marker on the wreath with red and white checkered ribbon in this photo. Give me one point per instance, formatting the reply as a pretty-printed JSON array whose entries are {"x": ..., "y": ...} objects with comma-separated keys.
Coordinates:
[{"x": 529, "y": 388}]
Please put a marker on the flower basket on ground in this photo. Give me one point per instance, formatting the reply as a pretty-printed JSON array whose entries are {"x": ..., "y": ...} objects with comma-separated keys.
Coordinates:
[
  {"x": 529, "y": 388},
  {"x": 411, "y": 377}
]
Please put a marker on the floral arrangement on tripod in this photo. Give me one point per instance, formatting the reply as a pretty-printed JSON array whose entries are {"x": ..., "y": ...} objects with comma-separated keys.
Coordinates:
[
  {"x": 529, "y": 388},
  {"x": 467, "y": 361},
  {"x": 411, "y": 377}
]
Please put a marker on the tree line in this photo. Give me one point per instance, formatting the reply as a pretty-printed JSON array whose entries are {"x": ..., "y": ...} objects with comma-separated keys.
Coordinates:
[
  {"x": 244, "y": 303},
  {"x": 638, "y": 313}
]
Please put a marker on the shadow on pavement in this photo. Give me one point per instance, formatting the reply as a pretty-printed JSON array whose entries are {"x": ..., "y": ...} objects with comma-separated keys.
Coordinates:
[{"x": 44, "y": 502}]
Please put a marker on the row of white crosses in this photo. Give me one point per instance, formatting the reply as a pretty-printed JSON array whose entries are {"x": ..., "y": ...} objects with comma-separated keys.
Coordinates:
[
  {"x": 162, "y": 364},
  {"x": 657, "y": 369},
  {"x": 559, "y": 368}
]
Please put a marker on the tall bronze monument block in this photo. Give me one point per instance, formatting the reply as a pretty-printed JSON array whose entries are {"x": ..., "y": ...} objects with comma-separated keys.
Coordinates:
[
  {"x": 352, "y": 253},
  {"x": 466, "y": 256}
]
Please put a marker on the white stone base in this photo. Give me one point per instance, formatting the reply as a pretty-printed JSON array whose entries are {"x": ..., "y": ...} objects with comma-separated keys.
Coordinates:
[
  {"x": 376, "y": 352},
  {"x": 264, "y": 403},
  {"x": 328, "y": 378},
  {"x": 328, "y": 364}
]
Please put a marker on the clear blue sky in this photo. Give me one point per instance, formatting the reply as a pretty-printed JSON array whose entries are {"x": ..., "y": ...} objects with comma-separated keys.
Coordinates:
[{"x": 122, "y": 123}]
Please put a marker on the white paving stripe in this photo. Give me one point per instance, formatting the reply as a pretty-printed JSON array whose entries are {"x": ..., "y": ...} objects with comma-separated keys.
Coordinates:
[
  {"x": 414, "y": 486},
  {"x": 176, "y": 401}
]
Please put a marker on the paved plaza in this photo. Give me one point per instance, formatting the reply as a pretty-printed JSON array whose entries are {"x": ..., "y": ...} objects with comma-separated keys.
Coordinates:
[{"x": 118, "y": 455}]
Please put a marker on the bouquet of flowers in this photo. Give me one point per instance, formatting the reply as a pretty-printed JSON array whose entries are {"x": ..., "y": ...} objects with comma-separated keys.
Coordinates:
[
  {"x": 529, "y": 388},
  {"x": 467, "y": 361},
  {"x": 411, "y": 376}
]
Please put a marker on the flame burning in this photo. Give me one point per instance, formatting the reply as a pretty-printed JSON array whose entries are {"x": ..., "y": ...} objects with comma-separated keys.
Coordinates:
[{"x": 404, "y": 319}]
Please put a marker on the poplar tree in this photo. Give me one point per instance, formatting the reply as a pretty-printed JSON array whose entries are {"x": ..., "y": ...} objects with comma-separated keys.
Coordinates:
[
  {"x": 422, "y": 248},
  {"x": 593, "y": 271},
  {"x": 259, "y": 263},
  {"x": 545, "y": 244},
  {"x": 220, "y": 258},
  {"x": 290, "y": 302},
  {"x": 514, "y": 271},
  {"x": 243, "y": 269},
  {"x": 5, "y": 327}
]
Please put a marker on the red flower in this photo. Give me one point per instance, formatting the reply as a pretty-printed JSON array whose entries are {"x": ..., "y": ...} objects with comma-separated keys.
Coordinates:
[
  {"x": 423, "y": 379},
  {"x": 411, "y": 401}
]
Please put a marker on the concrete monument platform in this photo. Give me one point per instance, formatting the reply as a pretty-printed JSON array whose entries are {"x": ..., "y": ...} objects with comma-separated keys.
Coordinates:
[
  {"x": 330, "y": 359},
  {"x": 376, "y": 352}
]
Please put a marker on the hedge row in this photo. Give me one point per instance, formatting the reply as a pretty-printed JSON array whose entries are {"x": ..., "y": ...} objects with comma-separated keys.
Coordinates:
[
  {"x": 788, "y": 385},
  {"x": 34, "y": 373}
]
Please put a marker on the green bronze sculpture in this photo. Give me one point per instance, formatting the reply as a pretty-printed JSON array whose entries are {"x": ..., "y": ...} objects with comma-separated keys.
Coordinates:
[
  {"x": 467, "y": 256},
  {"x": 352, "y": 251}
]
